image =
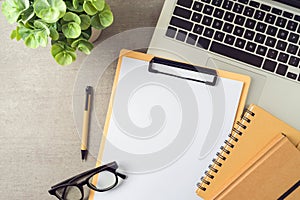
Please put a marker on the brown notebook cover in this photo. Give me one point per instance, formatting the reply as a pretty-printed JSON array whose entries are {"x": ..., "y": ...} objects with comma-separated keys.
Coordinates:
[
  {"x": 273, "y": 174},
  {"x": 250, "y": 135}
]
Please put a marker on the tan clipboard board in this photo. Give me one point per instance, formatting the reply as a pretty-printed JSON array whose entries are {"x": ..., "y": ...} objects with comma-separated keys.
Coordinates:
[{"x": 147, "y": 57}]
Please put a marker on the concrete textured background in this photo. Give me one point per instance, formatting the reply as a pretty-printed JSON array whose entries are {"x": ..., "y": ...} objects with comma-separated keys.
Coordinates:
[{"x": 38, "y": 139}]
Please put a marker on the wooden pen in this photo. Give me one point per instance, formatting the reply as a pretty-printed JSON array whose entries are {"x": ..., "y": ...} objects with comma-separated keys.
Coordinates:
[{"x": 86, "y": 121}]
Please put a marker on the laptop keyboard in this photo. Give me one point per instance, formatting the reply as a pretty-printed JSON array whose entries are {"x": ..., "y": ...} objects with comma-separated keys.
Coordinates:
[{"x": 260, "y": 35}]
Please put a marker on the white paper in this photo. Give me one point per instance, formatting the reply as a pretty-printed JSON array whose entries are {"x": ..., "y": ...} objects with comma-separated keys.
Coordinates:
[{"x": 171, "y": 130}]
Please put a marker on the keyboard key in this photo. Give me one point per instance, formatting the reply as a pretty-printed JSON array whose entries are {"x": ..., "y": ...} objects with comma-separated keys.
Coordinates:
[
  {"x": 292, "y": 49},
  {"x": 294, "y": 61},
  {"x": 240, "y": 43},
  {"x": 219, "y": 36},
  {"x": 254, "y": 4},
  {"x": 238, "y": 8},
  {"x": 227, "y": 5},
  {"x": 198, "y": 29},
  {"x": 237, "y": 54},
  {"x": 206, "y": 1},
  {"x": 270, "y": 18},
  {"x": 249, "y": 11},
  {"x": 217, "y": 3},
  {"x": 243, "y": 1},
  {"x": 191, "y": 39},
  {"x": 291, "y": 25},
  {"x": 281, "y": 45},
  {"x": 196, "y": 17},
  {"x": 272, "y": 30},
  {"x": 203, "y": 43},
  {"x": 270, "y": 41},
  {"x": 261, "y": 27},
  {"x": 269, "y": 65},
  {"x": 272, "y": 54},
  {"x": 238, "y": 31},
  {"x": 180, "y": 23},
  {"x": 291, "y": 75},
  {"x": 299, "y": 77},
  {"x": 181, "y": 35},
  {"x": 239, "y": 20},
  {"x": 171, "y": 32},
  {"x": 276, "y": 11},
  {"x": 281, "y": 69},
  {"x": 250, "y": 23},
  {"x": 207, "y": 20},
  {"x": 259, "y": 38},
  {"x": 282, "y": 34},
  {"x": 297, "y": 18},
  {"x": 288, "y": 15},
  {"x": 229, "y": 16},
  {"x": 250, "y": 46},
  {"x": 228, "y": 27},
  {"x": 281, "y": 22},
  {"x": 261, "y": 50},
  {"x": 229, "y": 39},
  {"x": 249, "y": 35},
  {"x": 181, "y": 12},
  {"x": 208, "y": 9},
  {"x": 185, "y": 3},
  {"x": 293, "y": 38},
  {"x": 218, "y": 13},
  {"x": 198, "y": 6},
  {"x": 259, "y": 15},
  {"x": 283, "y": 57},
  {"x": 208, "y": 32},
  {"x": 265, "y": 7},
  {"x": 217, "y": 24}
]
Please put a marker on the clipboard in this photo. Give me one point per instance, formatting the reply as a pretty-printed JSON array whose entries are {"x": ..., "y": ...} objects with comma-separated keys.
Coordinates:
[{"x": 209, "y": 77}]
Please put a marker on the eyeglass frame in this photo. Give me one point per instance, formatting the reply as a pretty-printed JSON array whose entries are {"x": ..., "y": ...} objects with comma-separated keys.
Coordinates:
[{"x": 111, "y": 167}]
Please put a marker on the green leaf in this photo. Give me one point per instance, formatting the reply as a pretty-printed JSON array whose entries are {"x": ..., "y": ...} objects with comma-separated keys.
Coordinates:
[
  {"x": 71, "y": 7},
  {"x": 63, "y": 54},
  {"x": 75, "y": 4},
  {"x": 95, "y": 22},
  {"x": 83, "y": 45},
  {"x": 15, "y": 34},
  {"x": 27, "y": 14},
  {"x": 98, "y": 4},
  {"x": 89, "y": 8},
  {"x": 42, "y": 26},
  {"x": 71, "y": 30},
  {"x": 50, "y": 10},
  {"x": 85, "y": 22},
  {"x": 31, "y": 42},
  {"x": 106, "y": 16},
  {"x": 72, "y": 17},
  {"x": 54, "y": 34},
  {"x": 13, "y": 8}
]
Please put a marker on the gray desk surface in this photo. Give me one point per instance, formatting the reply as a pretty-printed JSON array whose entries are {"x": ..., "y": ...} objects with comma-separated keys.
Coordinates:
[{"x": 39, "y": 142}]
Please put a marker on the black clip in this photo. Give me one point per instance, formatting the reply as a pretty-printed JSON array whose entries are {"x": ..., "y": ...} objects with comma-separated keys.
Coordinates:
[{"x": 184, "y": 66}]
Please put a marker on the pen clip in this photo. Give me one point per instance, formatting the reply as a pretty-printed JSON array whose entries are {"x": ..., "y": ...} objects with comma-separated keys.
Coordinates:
[{"x": 88, "y": 92}]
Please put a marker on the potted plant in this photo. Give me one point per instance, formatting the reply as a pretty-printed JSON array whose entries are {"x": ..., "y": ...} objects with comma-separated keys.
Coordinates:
[{"x": 68, "y": 24}]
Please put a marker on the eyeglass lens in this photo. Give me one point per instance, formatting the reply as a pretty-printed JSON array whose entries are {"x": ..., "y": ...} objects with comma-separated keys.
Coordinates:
[{"x": 105, "y": 180}]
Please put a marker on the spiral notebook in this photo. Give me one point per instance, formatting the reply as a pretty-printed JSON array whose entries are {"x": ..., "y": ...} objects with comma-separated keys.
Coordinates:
[
  {"x": 273, "y": 174},
  {"x": 164, "y": 122},
  {"x": 254, "y": 132}
]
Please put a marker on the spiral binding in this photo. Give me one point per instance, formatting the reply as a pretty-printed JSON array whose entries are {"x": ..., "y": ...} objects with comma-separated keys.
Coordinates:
[{"x": 221, "y": 156}]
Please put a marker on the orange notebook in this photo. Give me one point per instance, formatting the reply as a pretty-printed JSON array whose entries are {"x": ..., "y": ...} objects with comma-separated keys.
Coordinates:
[
  {"x": 256, "y": 130},
  {"x": 273, "y": 174}
]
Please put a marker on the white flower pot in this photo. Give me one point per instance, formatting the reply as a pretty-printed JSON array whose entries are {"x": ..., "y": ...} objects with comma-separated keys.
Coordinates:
[{"x": 95, "y": 35}]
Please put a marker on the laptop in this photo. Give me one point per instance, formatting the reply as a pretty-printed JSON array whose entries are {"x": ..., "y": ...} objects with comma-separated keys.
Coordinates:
[{"x": 255, "y": 38}]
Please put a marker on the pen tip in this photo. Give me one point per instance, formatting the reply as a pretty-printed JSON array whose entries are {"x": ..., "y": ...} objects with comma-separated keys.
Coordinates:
[{"x": 83, "y": 155}]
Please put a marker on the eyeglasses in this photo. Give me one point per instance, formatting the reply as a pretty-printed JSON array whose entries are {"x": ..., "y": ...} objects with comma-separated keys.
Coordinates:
[{"x": 72, "y": 189}]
